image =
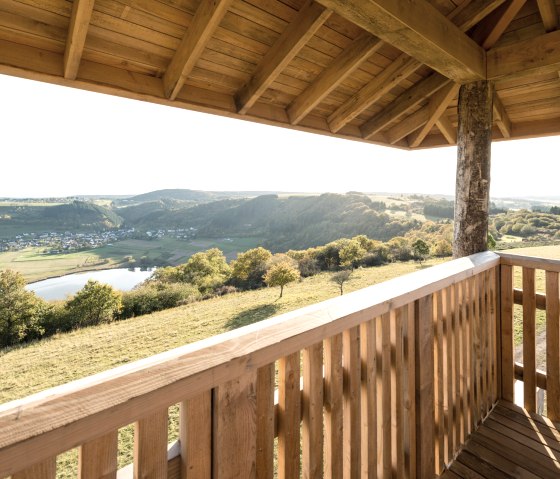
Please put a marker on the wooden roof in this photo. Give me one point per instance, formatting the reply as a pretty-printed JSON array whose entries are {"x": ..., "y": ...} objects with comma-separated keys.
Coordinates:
[{"x": 384, "y": 71}]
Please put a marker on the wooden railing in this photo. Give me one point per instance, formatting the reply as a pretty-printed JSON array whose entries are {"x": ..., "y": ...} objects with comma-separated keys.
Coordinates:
[
  {"x": 531, "y": 271},
  {"x": 384, "y": 382}
]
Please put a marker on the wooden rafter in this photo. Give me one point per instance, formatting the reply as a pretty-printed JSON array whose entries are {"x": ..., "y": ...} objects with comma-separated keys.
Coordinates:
[
  {"x": 407, "y": 126},
  {"x": 205, "y": 21},
  {"x": 419, "y": 30},
  {"x": 293, "y": 39},
  {"x": 447, "y": 130},
  {"x": 549, "y": 14},
  {"x": 526, "y": 57},
  {"x": 403, "y": 67},
  {"x": 436, "y": 108},
  {"x": 343, "y": 65},
  {"x": 493, "y": 27},
  {"x": 404, "y": 103},
  {"x": 77, "y": 32},
  {"x": 501, "y": 117}
]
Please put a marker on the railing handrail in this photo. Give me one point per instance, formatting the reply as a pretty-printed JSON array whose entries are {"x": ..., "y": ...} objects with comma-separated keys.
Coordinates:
[
  {"x": 61, "y": 418},
  {"x": 535, "y": 262}
]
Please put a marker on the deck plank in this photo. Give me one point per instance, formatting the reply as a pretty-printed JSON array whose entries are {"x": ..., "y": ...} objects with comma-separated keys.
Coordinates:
[{"x": 510, "y": 443}]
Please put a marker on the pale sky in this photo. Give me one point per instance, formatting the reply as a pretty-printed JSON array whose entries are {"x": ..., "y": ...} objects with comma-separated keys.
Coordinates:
[{"x": 59, "y": 141}]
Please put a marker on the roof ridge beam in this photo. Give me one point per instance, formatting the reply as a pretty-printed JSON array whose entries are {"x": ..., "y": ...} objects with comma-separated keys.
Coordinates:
[
  {"x": 363, "y": 46},
  {"x": 404, "y": 103},
  {"x": 77, "y": 33},
  {"x": 549, "y": 14},
  {"x": 420, "y": 30},
  {"x": 295, "y": 36},
  {"x": 208, "y": 16}
]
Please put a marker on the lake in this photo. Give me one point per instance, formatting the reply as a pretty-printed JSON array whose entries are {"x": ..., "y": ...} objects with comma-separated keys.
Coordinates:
[{"x": 59, "y": 288}]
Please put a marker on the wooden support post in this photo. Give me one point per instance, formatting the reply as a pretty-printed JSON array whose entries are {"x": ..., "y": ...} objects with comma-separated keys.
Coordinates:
[
  {"x": 425, "y": 408},
  {"x": 473, "y": 168}
]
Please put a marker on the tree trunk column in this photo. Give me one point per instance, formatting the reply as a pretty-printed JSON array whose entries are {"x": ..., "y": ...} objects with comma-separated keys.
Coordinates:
[{"x": 473, "y": 168}]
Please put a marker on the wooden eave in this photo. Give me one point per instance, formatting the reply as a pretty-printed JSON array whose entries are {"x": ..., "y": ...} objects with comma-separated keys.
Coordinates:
[{"x": 356, "y": 69}]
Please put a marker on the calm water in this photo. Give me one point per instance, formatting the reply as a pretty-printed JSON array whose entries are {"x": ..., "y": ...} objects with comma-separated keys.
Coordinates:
[{"x": 60, "y": 288}]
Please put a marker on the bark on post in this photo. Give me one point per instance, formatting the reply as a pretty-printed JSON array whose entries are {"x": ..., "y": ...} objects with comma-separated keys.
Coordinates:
[{"x": 473, "y": 168}]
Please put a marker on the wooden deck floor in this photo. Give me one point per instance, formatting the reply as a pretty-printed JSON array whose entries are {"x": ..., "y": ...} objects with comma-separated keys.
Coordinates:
[{"x": 510, "y": 443}]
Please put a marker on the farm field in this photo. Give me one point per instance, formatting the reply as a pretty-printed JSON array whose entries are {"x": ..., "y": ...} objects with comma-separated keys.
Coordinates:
[{"x": 35, "y": 265}]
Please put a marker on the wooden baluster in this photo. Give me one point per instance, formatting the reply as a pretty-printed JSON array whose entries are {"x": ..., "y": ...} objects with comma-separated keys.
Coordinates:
[
  {"x": 476, "y": 350},
  {"x": 42, "y": 470},
  {"x": 195, "y": 432},
  {"x": 352, "y": 408},
  {"x": 529, "y": 341},
  {"x": 439, "y": 381},
  {"x": 467, "y": 345},
  {"x": 313, "y": 412},
  {"x": 369, "y": 399},
  {"x": 150, "y": 446},
  {"x": 289, "y": 417},
  {"x": 386, "y": 394},
  {"x": 506, "y": 332},
  {"x": 485, "y": 335},
  {"x": 458, "y": 366},
  {"x": 400, "y": 366},
  {"x": 424, "y": 352},
  {"x": 98, "y": 458},
  {"x": 409, "y": 338},
  {"x": 552, "y": 346},
  {"x": 333, "y": 407},
  {"x": 265, "y": 422},
  {"x": 234, "y": 444},
  {"x": 449, "y": 356},
  {"x": 379, "y": 393}
]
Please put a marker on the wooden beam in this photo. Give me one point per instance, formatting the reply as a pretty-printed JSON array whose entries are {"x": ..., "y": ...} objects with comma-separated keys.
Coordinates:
[
  {"x": 205, "y": 21},
  {"x": 501, "y": 117},
  {"x": 404, "y": 103},
  {"x": 526, "y": 57},
  {"x": 77, "y": 32},
  {"x": 473, "y": 169},
  {"x": 405, "y": 127},
  {"x": 549, "y": 14},
  {"x": 490, "y": 31},
  {"x": 436, "y": 108},
  {"x": 447, "y": 130},
  {"x": 293, "y": 39},
  {"x": 473, "y": 12},
  {"x": 419, "y": 30},
  {"x": 343, "y": 65}
]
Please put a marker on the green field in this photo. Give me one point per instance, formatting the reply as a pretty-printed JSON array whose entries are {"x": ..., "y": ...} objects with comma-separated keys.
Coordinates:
[{"x": 35, "y": 265}]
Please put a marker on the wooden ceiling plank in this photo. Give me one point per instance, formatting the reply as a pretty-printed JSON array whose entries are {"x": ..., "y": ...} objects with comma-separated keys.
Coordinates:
[
  {"x": 489, "y": 31},
  {"x": 407, "y": 126},
  {"x": 549, "y": 14},
  {"x": 309, "y": 19},
  {"x": 404, "y": 103},
  {"x": 204, "y": 23},
  {"x": 77, "y": 32},
  {"x": 526, "y": 57},
  {"x": 402, "y": 67},
  {"x": 447, "y": 130},
  {"x": 343, "y": 65},
  {"x": 420, "y": 30},
  {"x": 501, "y": 116},
  {"x": 436, "y": 108}
]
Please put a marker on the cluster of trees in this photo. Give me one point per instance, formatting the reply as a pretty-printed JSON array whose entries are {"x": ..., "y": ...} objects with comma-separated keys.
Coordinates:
[
  {"x": 530, "y": 225},
  {"x": 25, "y": 317}
]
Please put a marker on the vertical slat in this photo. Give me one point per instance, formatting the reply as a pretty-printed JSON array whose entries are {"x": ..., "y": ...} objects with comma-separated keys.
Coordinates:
[
  {"x": 195, "y": 433},
  {"x": 552, "y": 346},
  {"x": 379, "y": 392},
  {"x": 439, "y": 382},
  {"x": 476, "y": 349},
  {"x": 465, "y": 324},
  {"x": 484, "y": 342},
  {"x": 313, "y": 411},
  {"x": 496, "y": 305},
  {"x": 457, "y": 368},
  {"x": 265, "y": 422},
  {"x": 410, "y": 398},
  {"x": 393, "y": 387},
  {"x": 450, "y": 360},
  {"x": 234, "y": 428},
  {"x": 42, "y": 470},
  {"x": 399, "y": 392},
  {"x": 333, "y": 407},
  {"x": 493, "y": 344},
  {"x": 369, "y": 399},
  {"x": 424, "y": 341},
  {"x": 386, "y": 394},
  {"x": 529, "y": 341},
  {"x": 352, "y": 408},
  {"x": 150, "y": 446},
  {"x": 289, "y": 407},
  {"x": 98, "y": 458},
  {"x": 506, "y": 333}
]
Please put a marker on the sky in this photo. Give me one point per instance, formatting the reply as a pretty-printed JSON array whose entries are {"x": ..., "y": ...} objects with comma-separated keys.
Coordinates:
[{"x": 58, "y": 141}]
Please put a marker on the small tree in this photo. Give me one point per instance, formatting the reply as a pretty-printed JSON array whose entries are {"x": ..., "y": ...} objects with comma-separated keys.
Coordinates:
[
  {"x": 248, "y": 269},
  {"x": 351, "y": 254},
  {"x": 421, "y": 250},
  {"x": 95, "y": 303},
  {"x": 281, "y": 274},
  {"x": 340, "y": 278}
]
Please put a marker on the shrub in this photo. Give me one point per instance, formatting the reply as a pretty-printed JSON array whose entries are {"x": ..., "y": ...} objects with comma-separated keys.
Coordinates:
[{"x": 95, "y": 303}]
